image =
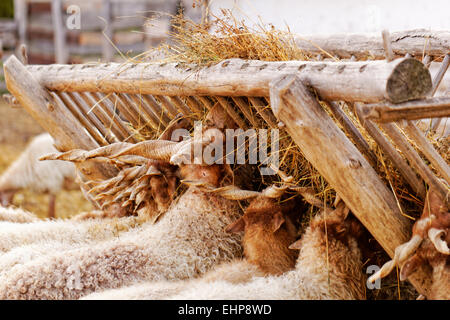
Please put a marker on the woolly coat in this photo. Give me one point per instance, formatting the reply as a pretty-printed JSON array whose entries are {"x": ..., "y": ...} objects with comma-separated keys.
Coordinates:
[{"x": 187, "y": 242}]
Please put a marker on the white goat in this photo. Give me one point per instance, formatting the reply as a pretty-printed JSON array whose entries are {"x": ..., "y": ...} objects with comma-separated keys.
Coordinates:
[
  {"x": 16, "y": 215},
  {"x": 39, "y": 176},
  {"x": 187, "y": 241},
  {"x": 329, "y": 267}
]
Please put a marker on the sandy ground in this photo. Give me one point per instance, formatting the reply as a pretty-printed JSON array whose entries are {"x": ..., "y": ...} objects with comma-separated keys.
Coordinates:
[{"x": 16, "y": 130}]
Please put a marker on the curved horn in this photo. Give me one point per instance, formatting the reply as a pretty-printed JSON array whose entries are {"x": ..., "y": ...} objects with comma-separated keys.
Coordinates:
[
  {"x": 408, "y": 248},
  {"x": 75, "y": 155},
  {"x": 153, "y": 149},
  {"x": 274, "y": 191},
  {"x": 402, "y": 253},
  {"x": 435, "y": 236},
  {"x": 229, "y": 192},
  {"x": 383, "y": 272}
]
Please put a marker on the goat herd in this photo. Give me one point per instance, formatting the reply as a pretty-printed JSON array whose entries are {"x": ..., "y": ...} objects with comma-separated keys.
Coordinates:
[{"x": 199, "y": 245}]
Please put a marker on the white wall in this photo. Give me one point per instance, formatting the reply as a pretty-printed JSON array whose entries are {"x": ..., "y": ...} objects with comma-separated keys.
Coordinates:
[{"x": 342, "y": 16}]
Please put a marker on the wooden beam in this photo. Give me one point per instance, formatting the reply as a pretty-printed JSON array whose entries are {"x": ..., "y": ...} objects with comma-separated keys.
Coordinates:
[
  {"x": 53, "y": 117},
  {"x": 61, "y": 52},
  {"x": 347, "y": 171},
  {"x": 366, "y": 81},
  {"x": 412, "y": 110},
  {"x": 414, "y": 42},
  {"x": 108, "y": 32}
]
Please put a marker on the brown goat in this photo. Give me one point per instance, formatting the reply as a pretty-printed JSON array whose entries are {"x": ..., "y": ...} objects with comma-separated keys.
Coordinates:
[
  {"x": 428, "y": 245},
  {"x": 268, "y": 232}
]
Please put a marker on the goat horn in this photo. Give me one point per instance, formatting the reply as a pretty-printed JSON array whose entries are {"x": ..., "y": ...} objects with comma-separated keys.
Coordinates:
[
  {"x": 402, "y": 252},
  {"x": 435, "y": 236},
  {"x": 75, "y": 155},
  {"x": 274, "y": 191},
  {"x": 229, "y": 192},
  {"x": 108, "y": 150},
  {"x": 153, "y": 149},
  {"x": 235, "y": 193},
  {"x": 383, "y": 272},
  {"x": 132, "y": 160},
  {"x": 409, "y": 248},
  {"x": 308, "y": 195}
]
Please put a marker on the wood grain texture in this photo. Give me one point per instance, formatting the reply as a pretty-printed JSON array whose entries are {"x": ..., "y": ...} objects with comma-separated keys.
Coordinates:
[
  {"x": 366, "y": 81},
  {"x": 342, "y": 165}
]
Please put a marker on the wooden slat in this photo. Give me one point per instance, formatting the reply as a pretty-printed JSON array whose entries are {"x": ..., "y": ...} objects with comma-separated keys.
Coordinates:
[
  {"x": 128, "y": 112},
  {"x": 95, "y": 122},
  {"x": 412, "y": 110},
  {"x": 144, "y": 111},
  {"x": 54, "y": 117},
  {"x": 246, "y": 110},
  {"x": 232, "y": 113},
  {"x": 407, "y": 173},
  {"x": 414, "y": 159},
  {"x": 424, "y": 146},
  {"x": 206, "y": 102},
  {"x": 261, "y": 107},
  {"x": 75, "y": 109},
  {"x": 355, "y": 135},
  {"x": 168, "y": 106},
  {"x": 156, "y": 109},
  {"x": 181, "y": 106},
  {"x": 113, "y": 134},
  {"x": 194, "y": 104},
  {"x": 111, "y": 110}
]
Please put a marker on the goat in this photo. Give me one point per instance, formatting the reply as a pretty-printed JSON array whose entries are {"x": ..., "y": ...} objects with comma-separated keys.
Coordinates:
[
  {"x": 16, "y": 215},
  {"x": 328, "y": 267},
  {"x": 188, "y": 240},
  {"x": 42, "y": 177},
  {"x": 268, "y": 232},
  {"x": 429, "y": 244}
]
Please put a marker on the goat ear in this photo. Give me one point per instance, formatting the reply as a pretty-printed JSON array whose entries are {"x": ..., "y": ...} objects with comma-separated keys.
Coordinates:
[
  {"x": 277, "y": 221},
  {"x": 237, "y": 226},
  {"x": 410, "y": 266},
  {"x": 296, "y": 245}
]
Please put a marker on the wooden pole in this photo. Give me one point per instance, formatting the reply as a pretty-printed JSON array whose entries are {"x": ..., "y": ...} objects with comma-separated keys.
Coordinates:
[
  {"x": 366, "y": 81},
  {"x": 414, "y": 42},
  {"x": 108, "y": 32},
  {"x": 391, "y": 152},
  {"x": 412, "y": 110},
  {"x": 341, "y": 164},
  {"x": 20, "y": 16},
  {"x": 436, "y": 82},
  {"x": 61, "y": 52},
  {"x": 53, "y": 117}
]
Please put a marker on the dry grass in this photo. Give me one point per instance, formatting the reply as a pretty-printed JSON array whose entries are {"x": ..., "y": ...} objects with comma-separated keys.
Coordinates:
[{"x": 230, "y": 38}]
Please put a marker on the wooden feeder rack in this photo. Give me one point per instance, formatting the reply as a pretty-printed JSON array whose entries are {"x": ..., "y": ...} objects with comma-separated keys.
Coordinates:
[{"x": 78, "y": 104}]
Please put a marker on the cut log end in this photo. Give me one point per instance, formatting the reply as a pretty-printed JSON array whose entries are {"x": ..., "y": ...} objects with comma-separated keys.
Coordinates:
[{"x": 410, "y": 80}]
